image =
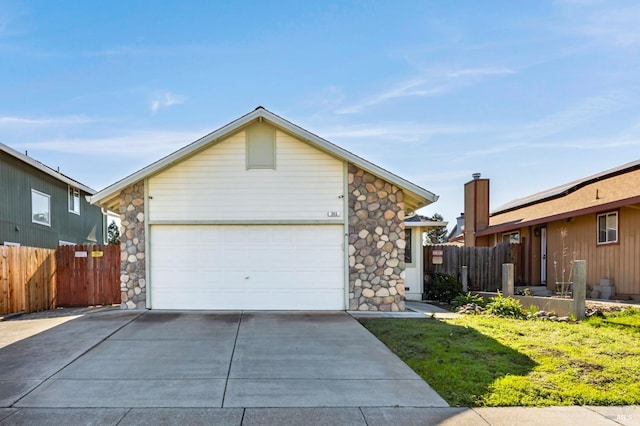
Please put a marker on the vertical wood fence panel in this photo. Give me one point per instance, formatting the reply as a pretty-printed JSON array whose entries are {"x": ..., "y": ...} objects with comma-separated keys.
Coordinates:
[
  {"x": 27, "y": 279},
  {"x": 484, "y": 264},
  {"x": 88, "y": 275}
]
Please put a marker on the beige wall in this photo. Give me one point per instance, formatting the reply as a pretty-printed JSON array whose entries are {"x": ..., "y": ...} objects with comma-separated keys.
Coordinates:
[
  {"x": 619, "y": 261},
  {"x": 216, "y": 185}
]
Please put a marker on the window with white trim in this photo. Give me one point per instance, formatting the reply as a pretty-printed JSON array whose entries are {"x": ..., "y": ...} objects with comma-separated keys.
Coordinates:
[
  {"x": 40, "y": 208},
  {"x": 511, "y": 237},
  {"x": 608, "y": 228},
  {"x": 74, "y": 200}
]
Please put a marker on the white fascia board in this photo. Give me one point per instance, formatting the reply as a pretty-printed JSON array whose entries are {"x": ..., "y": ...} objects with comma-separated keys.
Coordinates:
[
  {"x": 426, "y": 197},
  {"x": 172, "y": 158},
  {"x": 426, "y": 224},
  {"x": 325, "y": 145}
]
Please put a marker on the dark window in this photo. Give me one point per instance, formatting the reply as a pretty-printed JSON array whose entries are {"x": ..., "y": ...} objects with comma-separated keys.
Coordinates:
[
  {"x": 511, "y": 238},
  {"x": 408, "y": 258},
  {"x": 74, "y": 200}
]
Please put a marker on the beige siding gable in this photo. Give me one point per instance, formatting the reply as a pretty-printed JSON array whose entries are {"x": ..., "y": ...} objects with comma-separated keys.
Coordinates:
[{"x": 215, "y": 185}]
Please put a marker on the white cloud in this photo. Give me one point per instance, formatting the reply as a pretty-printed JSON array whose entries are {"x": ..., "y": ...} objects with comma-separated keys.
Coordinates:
[
  {"x": 146, "y": 142},
  {"x": 165, "y": 50},
  {"x": 429, "y": 85},
  {"x": 163, "y": 100},
  {"x": 603, "y": 143},
  {"x": 583, "y": 112},
  {"x": 610, "y": 23},
  {"x": 408, "y": 88},
  {"x": 478, "y": 72},
  {"x": 24, "y": 122},
  {"x": 402, "y": 131}
]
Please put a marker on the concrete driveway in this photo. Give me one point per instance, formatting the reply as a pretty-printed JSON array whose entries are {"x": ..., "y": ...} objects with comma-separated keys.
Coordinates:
[{"x": 121, "y": 359}]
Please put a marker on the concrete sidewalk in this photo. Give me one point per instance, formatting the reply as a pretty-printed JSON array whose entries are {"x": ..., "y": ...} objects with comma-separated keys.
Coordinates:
[
  {"x": 414, "y": 310},
  {"x": 431, "y": 310},
  {"x": 366, "y": 416}
]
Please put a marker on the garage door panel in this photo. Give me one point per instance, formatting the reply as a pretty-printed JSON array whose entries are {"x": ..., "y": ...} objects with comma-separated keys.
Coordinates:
[
  {"x": 247, "y": 267},
  {"x": 258, "y": 300}
]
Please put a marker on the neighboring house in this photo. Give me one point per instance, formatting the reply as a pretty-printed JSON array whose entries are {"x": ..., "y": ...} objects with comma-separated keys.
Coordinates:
[
  {"x": 262, "y": 214},
  {"x": 600, "y": 216},
  {"x": 414, "y": 228},
  {"x": 456, "y": 236},
  {"x": 41, "y": 207}
]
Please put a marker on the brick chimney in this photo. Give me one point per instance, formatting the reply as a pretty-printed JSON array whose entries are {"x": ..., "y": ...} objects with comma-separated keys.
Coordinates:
[{"x": 476, "y": 210}]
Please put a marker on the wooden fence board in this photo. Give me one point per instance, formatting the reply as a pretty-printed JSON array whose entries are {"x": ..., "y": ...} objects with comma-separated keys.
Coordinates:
[
  {"x": 88, "y": 275},
  {"x": 4, "y": 281},
  {"x": 484, "y": 264},
  {"x": 25, "y": 280},
  {"x": 34, "y": 279}
]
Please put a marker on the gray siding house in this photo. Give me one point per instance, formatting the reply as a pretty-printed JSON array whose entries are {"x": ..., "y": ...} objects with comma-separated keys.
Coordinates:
[{"x": 40, "y": 207}]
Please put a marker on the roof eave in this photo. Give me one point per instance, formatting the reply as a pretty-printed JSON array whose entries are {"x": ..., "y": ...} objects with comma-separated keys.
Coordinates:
[
  {"x": 426, "y": 224},
  {"x": 417, "y": 197},
  {"x": 421, "y": 197},
  {"x": 518, "y": 224},
  {"x": 46, "y": 169}
]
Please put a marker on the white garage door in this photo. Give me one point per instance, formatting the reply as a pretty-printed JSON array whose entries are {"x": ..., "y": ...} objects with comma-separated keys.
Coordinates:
[{"x": 297, "y": 267}]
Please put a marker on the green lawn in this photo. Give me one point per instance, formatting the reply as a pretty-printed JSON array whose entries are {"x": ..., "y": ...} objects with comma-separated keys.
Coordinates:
[{"x": 486, "y": 361}]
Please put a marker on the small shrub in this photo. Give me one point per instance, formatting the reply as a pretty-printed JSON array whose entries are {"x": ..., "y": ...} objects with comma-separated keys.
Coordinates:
[
  {"x": 465, "y": 299},
  {"x": 444, "y": 287},
  {"x": 507, "y": 307},
  {"x": 523, "y": 292},
  {"x": 532, "y": 310}
]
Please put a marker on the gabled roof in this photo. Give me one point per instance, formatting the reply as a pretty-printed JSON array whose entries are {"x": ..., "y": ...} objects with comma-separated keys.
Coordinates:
[
  {"x": 457, "y": 232},
  {"x": 417, "y": 220},
  {"x": 607, "y": 190},
  {"x": 46, "y": 169},
  {"x": 415, "y": 196},
  {"x": 567, "y": 188}
]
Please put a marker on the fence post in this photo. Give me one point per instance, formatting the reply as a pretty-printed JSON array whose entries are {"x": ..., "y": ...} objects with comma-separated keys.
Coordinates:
[
  {"x": 579, "y": 288},
  {"x": 507, "y": 279},
  {"x": 465, "y": 279}
]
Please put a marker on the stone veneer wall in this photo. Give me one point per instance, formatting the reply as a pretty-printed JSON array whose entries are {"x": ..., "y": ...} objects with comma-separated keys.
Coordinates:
[
  {"x": 376, "y": 243},
  {"x": 132, "y": 255}
]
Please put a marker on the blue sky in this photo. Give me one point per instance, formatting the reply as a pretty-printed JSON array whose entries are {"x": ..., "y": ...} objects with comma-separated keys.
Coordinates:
[{"x": 532, "y": 94}]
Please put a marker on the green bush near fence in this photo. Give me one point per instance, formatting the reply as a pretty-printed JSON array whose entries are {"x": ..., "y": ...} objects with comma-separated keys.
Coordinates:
[{"x": 444, "y": 287}]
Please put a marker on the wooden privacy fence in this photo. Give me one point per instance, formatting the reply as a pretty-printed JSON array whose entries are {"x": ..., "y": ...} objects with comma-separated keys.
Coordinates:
[
  {"x": 88, "y": 275},
  {"x": 35, "y": 279},
  {"x": 484, "y": 264},
  {"x": 27, "y": 279}
]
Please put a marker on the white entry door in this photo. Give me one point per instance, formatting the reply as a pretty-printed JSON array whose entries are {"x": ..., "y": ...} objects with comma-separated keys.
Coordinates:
[{"x": 293, "y": 267}]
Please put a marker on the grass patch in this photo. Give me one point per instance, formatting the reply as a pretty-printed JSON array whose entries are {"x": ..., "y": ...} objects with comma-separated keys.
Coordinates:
[
  {"x": 628, "y": 317},
  {"x": 487, "y": 361}
]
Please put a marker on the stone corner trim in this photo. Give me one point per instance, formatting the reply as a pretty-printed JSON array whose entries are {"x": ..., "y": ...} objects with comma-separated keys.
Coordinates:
[
  {"x": 132, "y": 241},
  {"x": 376, "y": 243}
]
